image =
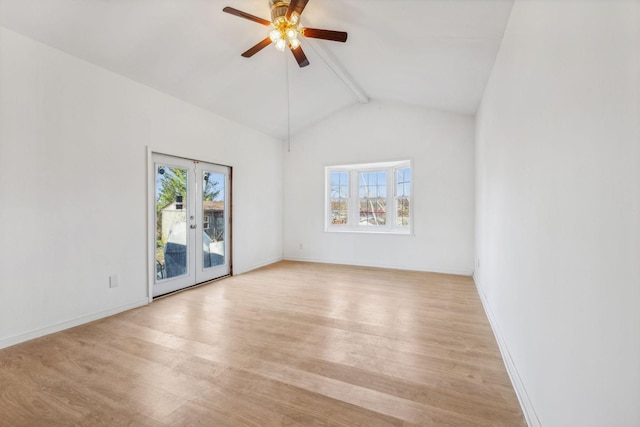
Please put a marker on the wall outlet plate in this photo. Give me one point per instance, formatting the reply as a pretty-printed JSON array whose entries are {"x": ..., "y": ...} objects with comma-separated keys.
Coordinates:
[{"x": 113, "y": 281}]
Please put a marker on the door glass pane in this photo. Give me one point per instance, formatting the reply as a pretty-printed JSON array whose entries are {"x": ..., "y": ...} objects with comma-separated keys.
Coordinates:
[
  {"x": 171, "y": 222},
  {"x": 213, "y": 217}
]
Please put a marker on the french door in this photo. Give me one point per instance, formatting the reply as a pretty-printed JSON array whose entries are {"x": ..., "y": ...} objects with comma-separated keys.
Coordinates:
[{"x": 191, "y": 227}]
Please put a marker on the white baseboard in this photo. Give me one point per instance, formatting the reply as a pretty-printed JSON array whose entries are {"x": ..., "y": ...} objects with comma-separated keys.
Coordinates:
[
  {"x": 17, "y": 339},
  {"x": 245, "y": 269},
  {"x": 425, "y": 269},
  {"x": 521, "y": 392}
]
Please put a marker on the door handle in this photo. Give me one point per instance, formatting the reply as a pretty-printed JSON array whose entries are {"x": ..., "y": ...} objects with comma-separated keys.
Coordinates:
[{"x": 193, "y": 226}]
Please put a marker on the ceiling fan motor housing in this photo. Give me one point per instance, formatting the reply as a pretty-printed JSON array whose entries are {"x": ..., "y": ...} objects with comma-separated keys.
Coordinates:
[{"x": 278, "y": 10}]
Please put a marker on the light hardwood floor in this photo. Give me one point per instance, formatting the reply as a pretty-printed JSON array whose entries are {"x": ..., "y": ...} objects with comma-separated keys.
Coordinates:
[{"x": 288, "y": 344}]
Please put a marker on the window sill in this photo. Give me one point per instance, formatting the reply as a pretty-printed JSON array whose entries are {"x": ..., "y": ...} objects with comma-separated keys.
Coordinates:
[{"x": 356, "y": 231}]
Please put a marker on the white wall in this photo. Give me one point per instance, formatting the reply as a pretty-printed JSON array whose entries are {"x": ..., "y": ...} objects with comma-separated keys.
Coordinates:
[
  {"x": 558, "y": 209},
  {"x": 73, "y": 179},
  {"x": 441, "y": 147}
]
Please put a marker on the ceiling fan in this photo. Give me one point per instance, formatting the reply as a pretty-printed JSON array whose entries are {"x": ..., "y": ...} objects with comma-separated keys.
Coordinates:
[{"x": 285, "y": 21}]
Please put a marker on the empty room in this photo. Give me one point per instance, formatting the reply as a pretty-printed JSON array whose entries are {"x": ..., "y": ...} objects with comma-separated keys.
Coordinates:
[{"x": 307, "y": 212}]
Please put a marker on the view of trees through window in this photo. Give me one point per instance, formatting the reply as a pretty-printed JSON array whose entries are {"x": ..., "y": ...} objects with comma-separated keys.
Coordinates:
[
  {"x": 171, "y": 207},
  {"x": 372, "y": 196},
  {"x": 403, "y": 193},
  {"x": 339, "y": 197}
]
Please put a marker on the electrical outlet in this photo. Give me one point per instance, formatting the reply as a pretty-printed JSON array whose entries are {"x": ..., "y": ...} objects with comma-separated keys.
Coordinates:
[{"x": 113, "y": 281}]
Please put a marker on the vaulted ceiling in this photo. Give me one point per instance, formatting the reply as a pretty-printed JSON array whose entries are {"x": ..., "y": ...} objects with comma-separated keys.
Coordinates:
[{"x": 430, "y": 53}]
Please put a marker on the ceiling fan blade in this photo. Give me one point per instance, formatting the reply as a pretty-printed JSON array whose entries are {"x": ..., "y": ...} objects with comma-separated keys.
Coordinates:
[
  {"x": 246, "y": 15},
  {"x": 316, "y": 33},
  {"x": 295, "y": 8},
  {"x": 300, "y": 56},
  {"x": 257, "y": 48}
]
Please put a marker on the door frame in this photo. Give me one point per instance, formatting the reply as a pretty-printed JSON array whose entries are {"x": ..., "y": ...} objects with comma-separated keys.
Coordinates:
[{"x": 151, "y": 215}]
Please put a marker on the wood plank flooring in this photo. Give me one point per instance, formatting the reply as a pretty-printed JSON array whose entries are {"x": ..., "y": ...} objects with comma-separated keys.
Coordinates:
[{"x": 289, "y": 344}]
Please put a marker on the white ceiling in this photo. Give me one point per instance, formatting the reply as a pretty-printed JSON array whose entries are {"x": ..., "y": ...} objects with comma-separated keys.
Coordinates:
[{"x": 431, "y": 53}]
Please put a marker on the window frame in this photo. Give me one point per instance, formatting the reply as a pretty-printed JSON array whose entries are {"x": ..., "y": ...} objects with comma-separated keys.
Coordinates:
[{"x": 353, "y": 217}]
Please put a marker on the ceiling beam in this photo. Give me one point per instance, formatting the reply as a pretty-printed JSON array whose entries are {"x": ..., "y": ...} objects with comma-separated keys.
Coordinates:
[{"x": 338, "y": 70}]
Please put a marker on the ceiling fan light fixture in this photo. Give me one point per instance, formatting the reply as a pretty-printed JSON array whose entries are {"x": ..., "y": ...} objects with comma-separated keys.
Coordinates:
[
  {"x": 292, "y": 33},
  {"x": 294, "y": 43},
  {"x": 275, "y": 35},
  {"x": 281, "y": 44}
]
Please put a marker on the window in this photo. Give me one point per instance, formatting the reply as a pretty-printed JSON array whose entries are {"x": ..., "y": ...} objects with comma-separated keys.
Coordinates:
[
  {"x": 372, "y": 197},
  {"x": 339, "y": 197},
  {"x": 402, "y": 196}
]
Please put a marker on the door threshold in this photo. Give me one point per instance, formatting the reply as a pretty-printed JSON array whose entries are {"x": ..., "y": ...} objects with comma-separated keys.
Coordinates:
[{"x": 197, "y": 285}]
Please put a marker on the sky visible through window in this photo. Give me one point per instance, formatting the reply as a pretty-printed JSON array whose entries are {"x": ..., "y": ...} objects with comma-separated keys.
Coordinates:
[
  {"x": 339, "y": 185},
  {"x": 404, "y": 182},
  {"x": 372, "y": 184}
]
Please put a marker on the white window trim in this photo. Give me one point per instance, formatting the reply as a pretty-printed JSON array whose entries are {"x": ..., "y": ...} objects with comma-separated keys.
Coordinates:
[{"x": 353, "y": 221}]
